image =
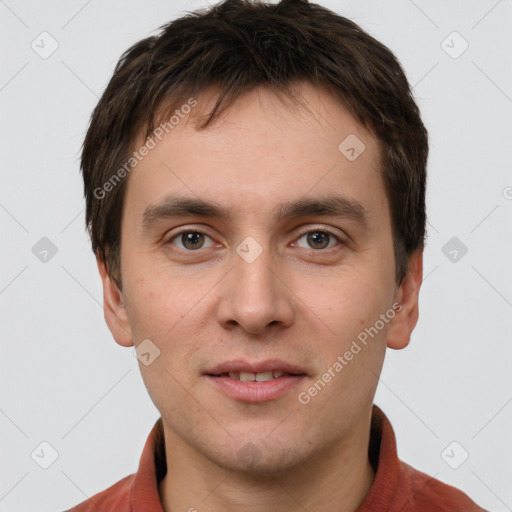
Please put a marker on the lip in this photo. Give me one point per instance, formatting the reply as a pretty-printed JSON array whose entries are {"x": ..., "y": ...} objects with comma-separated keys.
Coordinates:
[
  {"x": 241, "y": 365},
  {"x": 256, "y": 391}
]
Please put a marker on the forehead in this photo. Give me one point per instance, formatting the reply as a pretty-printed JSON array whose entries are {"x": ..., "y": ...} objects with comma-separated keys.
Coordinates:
[{"x": 261, "y": 153}]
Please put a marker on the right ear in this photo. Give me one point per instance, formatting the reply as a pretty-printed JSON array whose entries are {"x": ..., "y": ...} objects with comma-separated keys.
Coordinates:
[{"x": 114, "y": 308}]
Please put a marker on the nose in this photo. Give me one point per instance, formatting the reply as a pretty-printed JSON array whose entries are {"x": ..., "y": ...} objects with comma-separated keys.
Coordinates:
[{"x": 255, "y": 295}]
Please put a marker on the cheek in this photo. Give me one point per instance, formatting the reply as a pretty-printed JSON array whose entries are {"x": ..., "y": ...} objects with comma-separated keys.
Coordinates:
[
  {"x": 155, "y": 297},
  {"x": 352, "y": 349},
  {"x": 173, "y": 321},
  {"x": 159, "y": 315},
  {"x": 347, "y": 301}
]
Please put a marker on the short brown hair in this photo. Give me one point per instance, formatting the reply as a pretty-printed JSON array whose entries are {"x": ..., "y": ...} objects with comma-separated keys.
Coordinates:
[{"x": 235, "y": 46}]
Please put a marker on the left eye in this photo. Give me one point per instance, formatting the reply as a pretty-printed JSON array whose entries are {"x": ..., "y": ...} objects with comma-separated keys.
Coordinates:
[
  {"x": 190, "y": 240},
  {"x": 318, "y": 240}
]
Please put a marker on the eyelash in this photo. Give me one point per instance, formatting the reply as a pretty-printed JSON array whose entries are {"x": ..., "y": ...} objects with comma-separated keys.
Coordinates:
[{"x": 315, "y": 230}]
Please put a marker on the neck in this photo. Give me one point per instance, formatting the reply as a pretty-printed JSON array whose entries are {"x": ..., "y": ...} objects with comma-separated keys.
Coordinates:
[{"x": 340, "y": 475}]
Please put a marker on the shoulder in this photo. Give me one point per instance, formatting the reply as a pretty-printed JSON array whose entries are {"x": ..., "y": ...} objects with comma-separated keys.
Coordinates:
[
  {"x": 431, "y": 495},
  {"x": 114, "y": 499}
]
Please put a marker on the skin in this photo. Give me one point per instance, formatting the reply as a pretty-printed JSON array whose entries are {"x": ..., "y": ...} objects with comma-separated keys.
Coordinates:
[{"x": 297, "y": 301}]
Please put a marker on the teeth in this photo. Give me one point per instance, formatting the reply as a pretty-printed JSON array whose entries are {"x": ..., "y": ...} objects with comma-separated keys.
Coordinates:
[
  {"x": 262, "y": 377},
  {"x": 255, "y": 377}
]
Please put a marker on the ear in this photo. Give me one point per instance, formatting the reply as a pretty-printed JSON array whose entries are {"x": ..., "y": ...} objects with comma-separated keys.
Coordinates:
[
  {"x": 405, "y": 319},
  {"x": 114, "y": 308}
]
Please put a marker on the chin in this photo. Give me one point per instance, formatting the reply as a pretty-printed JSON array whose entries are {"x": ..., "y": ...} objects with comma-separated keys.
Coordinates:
[{"x": 259, "y": 460}]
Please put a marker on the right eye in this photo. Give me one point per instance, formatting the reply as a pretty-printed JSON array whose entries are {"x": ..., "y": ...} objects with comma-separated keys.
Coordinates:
[{"x": 190, "y": 240}]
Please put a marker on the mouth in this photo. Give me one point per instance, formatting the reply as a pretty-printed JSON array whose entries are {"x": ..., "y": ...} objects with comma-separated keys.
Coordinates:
[
  {"x": 262, "y": 371},
  {"x": 255, "y": 387},
  {"x": 255, "y": 382},
  {"x": 256, "y": 377}
]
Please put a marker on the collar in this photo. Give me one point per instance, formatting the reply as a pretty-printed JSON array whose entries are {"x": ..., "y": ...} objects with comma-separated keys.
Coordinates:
[{"x": 382, "y": 453}]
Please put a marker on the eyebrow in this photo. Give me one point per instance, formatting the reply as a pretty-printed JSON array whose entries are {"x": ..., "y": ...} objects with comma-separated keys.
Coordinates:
[{"x": 332, "y": 205}]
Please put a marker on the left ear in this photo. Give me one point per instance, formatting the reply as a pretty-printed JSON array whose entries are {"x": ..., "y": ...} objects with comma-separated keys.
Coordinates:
[{"x": 404, "y": 322}]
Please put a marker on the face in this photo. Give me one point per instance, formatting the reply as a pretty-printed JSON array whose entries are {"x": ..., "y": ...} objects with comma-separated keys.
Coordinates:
[{"x": 258, "y": 239}]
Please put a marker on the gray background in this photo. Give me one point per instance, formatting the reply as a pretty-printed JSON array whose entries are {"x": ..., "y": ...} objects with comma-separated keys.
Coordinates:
[{"x": 66, "y": 382}]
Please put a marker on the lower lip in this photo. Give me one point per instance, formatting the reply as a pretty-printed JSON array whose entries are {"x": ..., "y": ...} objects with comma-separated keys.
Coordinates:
[{"x": 256, "y": 391}]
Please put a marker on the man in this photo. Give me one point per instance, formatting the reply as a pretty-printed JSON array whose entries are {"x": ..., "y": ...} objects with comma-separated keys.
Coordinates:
[{"x": 255, "y": 187}]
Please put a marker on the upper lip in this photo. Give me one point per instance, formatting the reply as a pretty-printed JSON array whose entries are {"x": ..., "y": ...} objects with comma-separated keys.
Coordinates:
[{"x": 240, "y": 365}]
